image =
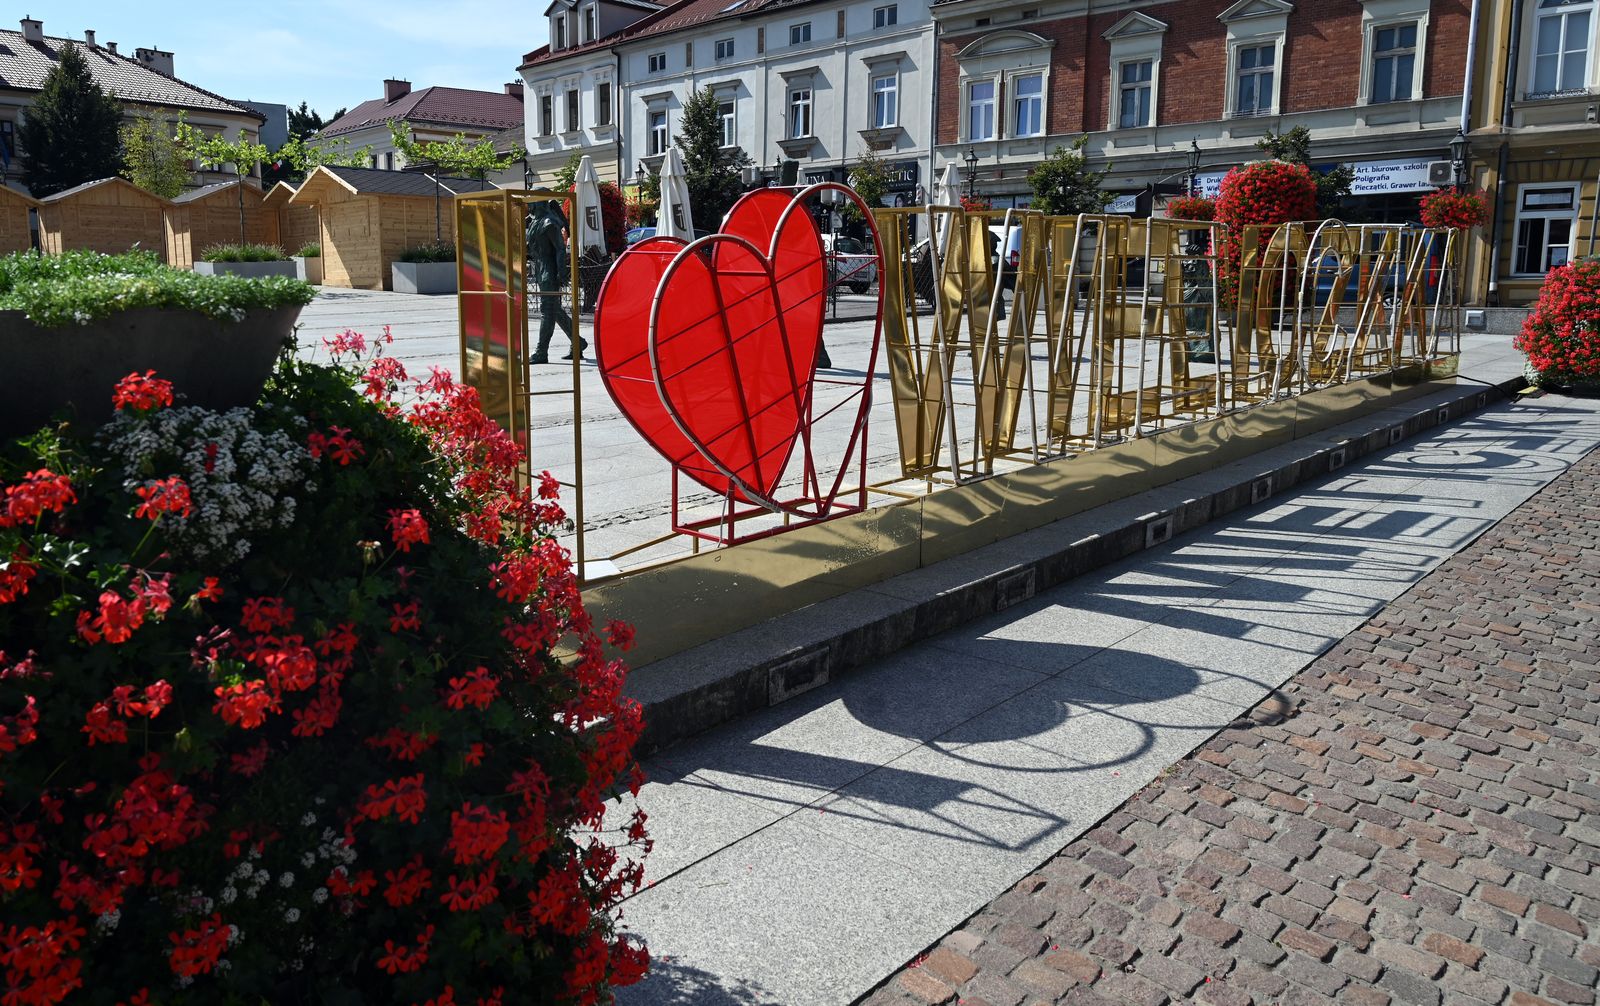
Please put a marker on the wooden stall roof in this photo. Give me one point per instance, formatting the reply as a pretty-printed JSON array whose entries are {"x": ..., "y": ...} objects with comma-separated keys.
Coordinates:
[
  {"x": 252, "y": 190},
  {"x": 12, "y": 192},
  {"x": 78, "y": 190},
  {"x": 278, "y": 196},
  {"x": 377, "y": 182}
]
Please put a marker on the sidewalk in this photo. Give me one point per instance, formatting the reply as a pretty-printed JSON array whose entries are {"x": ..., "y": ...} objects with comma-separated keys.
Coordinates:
[
  {"x": 1410, "y": 819},
  {"x": 805, "y": 853}
]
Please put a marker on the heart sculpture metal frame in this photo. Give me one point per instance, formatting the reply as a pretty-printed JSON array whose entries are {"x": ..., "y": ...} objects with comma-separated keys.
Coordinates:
[{"x": 709, "y": 348}]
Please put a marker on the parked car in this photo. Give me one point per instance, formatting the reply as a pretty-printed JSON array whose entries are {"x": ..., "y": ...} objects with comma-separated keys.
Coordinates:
[
  {"x": 638, "y": 234},
  {"x": 853, "y": 263},
  {"x": 1326, "y": 272}
]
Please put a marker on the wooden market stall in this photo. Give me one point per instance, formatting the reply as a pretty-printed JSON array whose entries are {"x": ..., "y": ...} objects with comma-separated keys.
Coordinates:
[
  {"x": 207, "y": 216},
  {"x": 297, "y": 225},
  {"x": 111, "y": 215},
  {"x": 369, "y": 216},
  {"x": 14, "y": 225}
]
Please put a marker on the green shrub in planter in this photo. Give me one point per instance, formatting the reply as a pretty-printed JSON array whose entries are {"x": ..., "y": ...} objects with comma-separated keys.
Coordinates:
[
  {"x": 82, "y": 286},
  {"x": 311, "y": 249},
  {"x": 243, "y": 253},
  {"x": 281, "y": 719},
  {"x": 1561, "y": 337},
  {"x": 434, "y": 251}
]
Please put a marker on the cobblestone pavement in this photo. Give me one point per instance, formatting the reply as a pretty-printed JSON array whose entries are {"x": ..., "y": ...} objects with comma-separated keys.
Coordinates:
[{"x": 1414, "y": 818}]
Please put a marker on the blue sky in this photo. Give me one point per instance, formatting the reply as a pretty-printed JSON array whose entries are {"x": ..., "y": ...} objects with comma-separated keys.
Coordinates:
[{"x": 331, "y": 53}]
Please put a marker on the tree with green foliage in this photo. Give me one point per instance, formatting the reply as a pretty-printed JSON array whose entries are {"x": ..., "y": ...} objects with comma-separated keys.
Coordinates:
[
  {"x": 870, "y": 179},
  {"x": 216, "y": 151},
  {"x": 304, "y": 121},
  {"x": 710, "y": 169},
  {"x": 69, "y": 135},
  {"x": 301, "y": 156},
  {"x": 456, "y": 157},
  {"x": 1063, "y": 184},
  {"x": 151, "y": 156},
  {"x": 1333, "y": 185}
]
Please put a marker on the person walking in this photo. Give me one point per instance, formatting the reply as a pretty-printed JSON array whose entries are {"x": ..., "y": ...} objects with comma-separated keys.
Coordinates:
[{"x": 547, "y": 269}]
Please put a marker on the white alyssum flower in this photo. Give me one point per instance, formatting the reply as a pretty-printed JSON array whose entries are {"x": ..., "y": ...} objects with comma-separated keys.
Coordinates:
[
  {"x": 245, "y": 490},
  {"x": 292, "y": 915}
]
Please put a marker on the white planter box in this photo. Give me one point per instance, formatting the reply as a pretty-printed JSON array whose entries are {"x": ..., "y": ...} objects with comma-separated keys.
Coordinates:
[
  {"x": 308, "y": 269},
  {"x": 425, "y": 277},
  {"x": 249, "y": 270}
]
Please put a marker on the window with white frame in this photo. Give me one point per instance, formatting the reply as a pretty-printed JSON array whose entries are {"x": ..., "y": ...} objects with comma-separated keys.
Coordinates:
[
  {"x": 725, "y": 115},
  {"x": 1257, "y": 34},
  {"x": 1027, "y": 104},
  {"x": 1136, "y": 44},
  {"x": 724, "y": 48},
  {"x": 573, "y": 125},
  {"x": 658, "y": 62},
  {"x": 885, "y": 101},
  {"x": 1134, "y": 90},
  {"x": 1394, "y": 62},
  {"x": 588, "y": 24},
  {"x": 547, "y": 115},
  {"x": 800, "y": 33},
  {"x": 1547, "y": 215},
  {"x": 658, "y": 131},
  {"x": 388, "y": 161},
  {"x": 884, "y": 17},
  {"x": 799, "y": 112},
  {"x": 561, "y": 31},
  {"x": 1254, "y": 67},
  {"x": 602, "y": 103},
  {"x": 980, "y": 110},
  {"x": 1563, "y": 33}
]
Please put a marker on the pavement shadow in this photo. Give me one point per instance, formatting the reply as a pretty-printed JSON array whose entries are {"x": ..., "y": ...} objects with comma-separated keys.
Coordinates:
[{"x": 671, "y": 983}]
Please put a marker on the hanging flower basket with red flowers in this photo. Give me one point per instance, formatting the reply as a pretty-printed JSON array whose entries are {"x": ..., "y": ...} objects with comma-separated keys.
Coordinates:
[
  {"x": 1265, "y": 193},
  {"x": 1191, "y": 208},
  {"x": 281, "y": 719},
  {"x": 1449, "y": 208},
  {"x": 1561, "y": 338}
]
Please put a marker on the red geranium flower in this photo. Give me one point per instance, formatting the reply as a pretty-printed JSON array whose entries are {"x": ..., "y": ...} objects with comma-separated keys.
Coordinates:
[{"x": 142, "y": 392}]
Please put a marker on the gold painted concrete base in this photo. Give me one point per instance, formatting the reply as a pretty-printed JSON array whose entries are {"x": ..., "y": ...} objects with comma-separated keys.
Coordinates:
[{"x": 711, "y": 594}]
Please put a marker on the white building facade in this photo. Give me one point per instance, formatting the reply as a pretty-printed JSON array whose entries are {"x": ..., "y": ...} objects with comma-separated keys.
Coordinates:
[
  {"x": 572, "y": 87},
  {"x": 816, "y": 83}
]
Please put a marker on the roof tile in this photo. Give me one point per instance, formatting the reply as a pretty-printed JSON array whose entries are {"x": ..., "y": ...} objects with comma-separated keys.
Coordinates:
[
  {"x": 450, "y": 106},
  {"x": 24, "y": 65}
]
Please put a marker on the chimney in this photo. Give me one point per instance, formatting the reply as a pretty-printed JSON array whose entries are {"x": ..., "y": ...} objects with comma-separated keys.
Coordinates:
[
  {"x": 156, "y": 59},
  {"x": 394, "y": 90},
  {"x": 32, "y": 31},
  {"x": 113, "y": 47},
  {"x": 515, "y": 90},
  {"x": 88, "y": 37}
]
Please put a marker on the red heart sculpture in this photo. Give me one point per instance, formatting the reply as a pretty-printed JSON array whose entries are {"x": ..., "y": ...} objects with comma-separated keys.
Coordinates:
[{"x": 710, "y": 349}]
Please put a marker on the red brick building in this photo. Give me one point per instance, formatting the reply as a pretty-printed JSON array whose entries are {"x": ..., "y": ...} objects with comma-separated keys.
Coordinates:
[{"x": 1378, "y": 83}]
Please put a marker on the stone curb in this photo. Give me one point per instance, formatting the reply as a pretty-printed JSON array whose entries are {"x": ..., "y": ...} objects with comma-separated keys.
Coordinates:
[{"x": 763, "y": 665}]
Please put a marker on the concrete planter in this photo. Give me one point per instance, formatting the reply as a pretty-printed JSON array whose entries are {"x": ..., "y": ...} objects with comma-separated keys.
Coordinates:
[
  {"x": 249, "y": 270},
  {"x": 425, "y": 277},
  {"x": 72, "y": 369},
  {"x": 308, "y": 269}
]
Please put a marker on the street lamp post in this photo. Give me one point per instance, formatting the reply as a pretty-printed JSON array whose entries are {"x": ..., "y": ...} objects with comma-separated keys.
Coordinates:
[
  {"x": 1194, "y": 166},
  {"x": 972, "y": 174},
  {"x": 1458, "y": 157}
]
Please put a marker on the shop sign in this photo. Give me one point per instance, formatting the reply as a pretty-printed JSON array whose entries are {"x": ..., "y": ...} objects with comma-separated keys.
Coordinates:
[
  {"x": 1374, "y": 178},
  {"x": 1371, "y": 178}
]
